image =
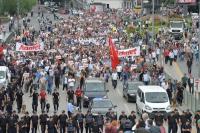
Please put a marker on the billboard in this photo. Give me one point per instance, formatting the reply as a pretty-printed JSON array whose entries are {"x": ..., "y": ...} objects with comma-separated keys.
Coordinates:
[{"x": 186, "y": 1}]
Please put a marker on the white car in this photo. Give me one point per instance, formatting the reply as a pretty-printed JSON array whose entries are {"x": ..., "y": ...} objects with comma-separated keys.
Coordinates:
[{"x": 152, "y": 100}]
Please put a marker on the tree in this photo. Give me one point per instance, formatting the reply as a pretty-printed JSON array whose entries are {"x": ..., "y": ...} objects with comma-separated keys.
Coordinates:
[{"x": 10, "y": 6}]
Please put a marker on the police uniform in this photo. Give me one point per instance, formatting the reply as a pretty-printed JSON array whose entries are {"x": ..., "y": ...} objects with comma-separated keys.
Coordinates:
[
  {"x": 100, "y": 121},
  {"x": 3, "y": 120},
  {"x": 43, "y": 122},
  {"x": 88, "y": 122},
  {"x": 34, "y": 121},
  {"x": 79, "y": 119},
  {"x": 127, "y": 125},
  {"x": 70, "y": 127},
  {"x": 27, "y": 120},
  {"x": 12, "y": 124},
  {"x": 63, "y": 122}
]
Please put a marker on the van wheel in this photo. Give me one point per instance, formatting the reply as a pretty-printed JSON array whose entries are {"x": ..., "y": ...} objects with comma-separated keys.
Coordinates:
[{"x": 137, "y": 109}]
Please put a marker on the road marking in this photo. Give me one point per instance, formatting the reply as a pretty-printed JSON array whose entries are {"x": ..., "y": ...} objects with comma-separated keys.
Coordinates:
[
  {"x": 178, "y": 70},
  {"x": 127, "y": 108}
]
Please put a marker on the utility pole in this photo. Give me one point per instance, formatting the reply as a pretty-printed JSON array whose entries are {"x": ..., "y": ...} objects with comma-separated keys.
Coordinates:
[
  {"x": 153, "y": 21},
  {"x": 199, "y": 41},
  {"x": 18, "y": 13}
]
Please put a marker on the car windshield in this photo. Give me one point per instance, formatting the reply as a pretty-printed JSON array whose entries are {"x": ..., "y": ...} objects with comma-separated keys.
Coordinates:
[
  {"x": 156, "y": 97},
  {"x": 133, "y": 86},
  {"x": 95, "y": 87},
  {"x": 176, "y": 24},
  {"x": 2, "y": 74},
  {"x": 102, "y": 104}
]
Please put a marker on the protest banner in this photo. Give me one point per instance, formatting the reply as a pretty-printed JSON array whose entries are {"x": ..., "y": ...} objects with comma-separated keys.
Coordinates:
[
  {"x": 129, "y": 52},
  {"x": 26, "y": 48}
]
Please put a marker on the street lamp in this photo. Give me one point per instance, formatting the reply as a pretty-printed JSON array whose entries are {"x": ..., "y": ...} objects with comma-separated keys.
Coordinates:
[
  {"x": 18, "y": 12},
  {"x": 153, "y": 21}
]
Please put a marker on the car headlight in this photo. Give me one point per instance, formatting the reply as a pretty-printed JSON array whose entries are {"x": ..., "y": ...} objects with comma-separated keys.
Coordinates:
[
  {"x": 105, "y": 97},
  {"x": 85, "y": 97},
  {"x": 148, "y": 107},
  {"x": 168, "y": 108}
]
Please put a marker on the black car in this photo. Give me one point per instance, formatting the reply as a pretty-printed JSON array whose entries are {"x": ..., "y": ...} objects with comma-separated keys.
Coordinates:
[
  {"x": 130, "y": 90},
  {"x": 93, "y": 88}
]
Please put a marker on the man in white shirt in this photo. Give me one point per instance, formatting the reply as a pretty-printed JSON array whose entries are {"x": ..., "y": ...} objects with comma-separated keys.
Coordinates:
[
  {"x": 153, "y": 55},
  {"x": 71, "y": 82},
  {"x": 175, "y": 51},
  {"x": 119, "y": 71},
  {"x": 114, "y": 79},
  {"x": 146, "y": 78}
]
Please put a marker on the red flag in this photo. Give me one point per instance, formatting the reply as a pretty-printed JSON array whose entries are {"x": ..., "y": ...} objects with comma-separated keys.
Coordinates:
[{"x": 113, "y": 54}]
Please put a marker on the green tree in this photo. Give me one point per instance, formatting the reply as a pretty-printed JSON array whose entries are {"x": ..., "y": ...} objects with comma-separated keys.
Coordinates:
[{"x": 10, "y": 6}]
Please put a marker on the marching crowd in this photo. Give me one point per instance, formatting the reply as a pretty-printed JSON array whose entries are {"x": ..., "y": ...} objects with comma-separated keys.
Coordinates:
[{"x": 75, "y": 49}]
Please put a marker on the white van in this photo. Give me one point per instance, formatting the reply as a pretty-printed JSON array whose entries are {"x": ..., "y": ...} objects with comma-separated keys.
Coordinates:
[
  {"x": 152, "y": 99},
  {"x": 5, "y": 76}
]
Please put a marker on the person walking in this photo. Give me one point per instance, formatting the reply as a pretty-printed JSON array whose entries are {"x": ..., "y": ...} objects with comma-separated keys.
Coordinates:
[
  {"x": 189, "y": 65},
  {"x": 89, "y": 119},
  {"x": 35, "y": 100},
  {"x": 62, "y": 122},
  {"x": 43, "y": 121},
  {"x": 19, "y": 100},
  {"x": 56, "y": 97},
  {"x": 34, "y": 122},
  {"x": 79, "y": 118},
  {"x": 43, "y": 96},
  {"x": 78, "y": 94},
  {"x": 114, "y": 79}
]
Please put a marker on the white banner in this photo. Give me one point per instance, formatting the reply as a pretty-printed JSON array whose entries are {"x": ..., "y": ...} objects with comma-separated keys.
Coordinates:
[
  {"x": 25, "y": 48},
  {"x": 129, "y": 52}
]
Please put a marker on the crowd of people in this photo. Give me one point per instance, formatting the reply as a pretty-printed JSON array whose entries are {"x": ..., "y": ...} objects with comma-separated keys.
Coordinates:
[{"x": 75, "y": 49}]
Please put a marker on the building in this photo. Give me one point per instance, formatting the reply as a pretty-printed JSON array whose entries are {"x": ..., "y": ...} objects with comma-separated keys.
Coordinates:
[{"x": 115, "y": 4}]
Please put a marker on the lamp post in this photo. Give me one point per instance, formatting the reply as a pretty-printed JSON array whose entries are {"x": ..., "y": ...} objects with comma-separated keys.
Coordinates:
[
  {"x": 18, "y": 12},
  {"x": 153, "y": 21}
]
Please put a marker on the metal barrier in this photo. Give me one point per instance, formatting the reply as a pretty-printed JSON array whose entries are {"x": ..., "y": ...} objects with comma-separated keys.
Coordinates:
[{"x": 191, "y": 101}]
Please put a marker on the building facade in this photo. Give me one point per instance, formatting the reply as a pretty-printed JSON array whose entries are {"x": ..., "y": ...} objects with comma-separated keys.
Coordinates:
[{"x": 115, "y": 4}]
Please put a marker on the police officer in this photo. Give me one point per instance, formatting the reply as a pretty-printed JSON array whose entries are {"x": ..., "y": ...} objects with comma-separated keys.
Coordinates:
[
  {"x": 3, "y": 120},
  {"x": 132, "y": 117},
  {"x": 88, "y": 122},
  {"x": 12, "y": 124},
  {"x": 34, "y": 122},
  {"x": 55, "y": 100},
  {"x": 96, "y": 128},
  {"x": 51, "y": 127},
  {"x": 63, "y": 121},
  {"x": 27, "y": 120},
  {"x": 70, "y": 126},
  {"x": 22, "y": 126},
  {"x": 19, "y": 100},
  {"x": 43, "y": 121},
  {"x": 122, "y": 117},
  {"x": 127, "y": 125},
  {"x": 79, "y": 117},
  {"x": 99, "y": 120},
  {"x": 55, "y": 119}
]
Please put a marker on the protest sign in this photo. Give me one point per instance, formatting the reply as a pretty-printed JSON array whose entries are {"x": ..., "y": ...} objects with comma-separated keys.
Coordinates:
[
  {"x": 129, "y": 52},
  {"x": 25, "y": 48}
]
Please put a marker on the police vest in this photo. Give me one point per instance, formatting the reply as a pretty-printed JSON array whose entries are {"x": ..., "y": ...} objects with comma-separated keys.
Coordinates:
[
  {"x": 88, "y": 118},
  {"x": 70, "y": 127},
  {"x": 99, "y": 120},
  {"x": 79, "y": 118},
  {"x": 128, "y": 125}
]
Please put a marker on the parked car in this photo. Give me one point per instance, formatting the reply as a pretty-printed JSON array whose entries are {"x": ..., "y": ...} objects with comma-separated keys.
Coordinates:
[{"x": 130, "y": 90}]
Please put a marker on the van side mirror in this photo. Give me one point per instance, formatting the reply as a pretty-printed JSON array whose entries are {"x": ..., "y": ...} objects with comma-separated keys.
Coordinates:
[{"x": 141, "y": 100}]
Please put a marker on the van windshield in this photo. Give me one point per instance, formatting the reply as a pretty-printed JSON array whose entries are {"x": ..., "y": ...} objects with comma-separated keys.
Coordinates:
[
  {"x": 156, "y": 97},
  {"x": 2, "y": 74}
]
